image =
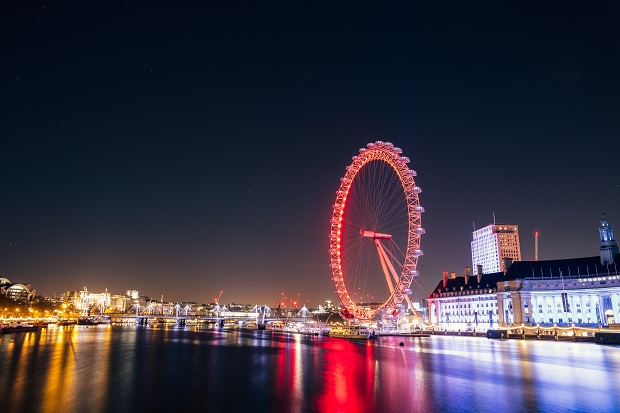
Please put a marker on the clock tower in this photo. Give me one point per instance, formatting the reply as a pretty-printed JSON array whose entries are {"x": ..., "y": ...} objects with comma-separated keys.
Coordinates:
[{"x": 609, "y": 248}]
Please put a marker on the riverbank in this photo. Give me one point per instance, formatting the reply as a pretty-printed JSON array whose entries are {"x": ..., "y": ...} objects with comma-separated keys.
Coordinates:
[{"x": 545, "y": 334}]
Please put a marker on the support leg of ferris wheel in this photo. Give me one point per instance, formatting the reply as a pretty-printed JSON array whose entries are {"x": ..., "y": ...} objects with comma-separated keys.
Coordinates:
[
  {"x": 385, "y": 260},
  {"x": 383, "y": 265},
  {"x": 413, "y": 311}
]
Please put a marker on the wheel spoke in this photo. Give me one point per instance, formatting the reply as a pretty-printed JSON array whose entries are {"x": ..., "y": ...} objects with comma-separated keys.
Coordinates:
[{"x": 377, "y": 197}]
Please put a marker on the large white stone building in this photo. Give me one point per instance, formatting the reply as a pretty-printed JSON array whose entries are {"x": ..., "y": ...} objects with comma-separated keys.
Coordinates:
[
  {"x": 569, "y": 292},
  {"x": 87, "y": 302}
]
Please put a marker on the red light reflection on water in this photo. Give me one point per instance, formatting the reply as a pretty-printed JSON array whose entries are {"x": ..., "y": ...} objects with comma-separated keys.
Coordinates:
[
  {"x": 287, "y": 373},
  {"x": 348, "y": 377}
]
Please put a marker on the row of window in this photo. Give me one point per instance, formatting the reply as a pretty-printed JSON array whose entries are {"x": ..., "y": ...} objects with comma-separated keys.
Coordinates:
[
  {"x": 480, "y": 305},
  {"x": 467, "y": 292}
]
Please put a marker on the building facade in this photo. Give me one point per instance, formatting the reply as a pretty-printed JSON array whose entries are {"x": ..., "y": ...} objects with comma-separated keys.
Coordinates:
[
  {"x": 465, "y": 302},
  {"x": 569, "y": 292},
  {"x": 17, "y": 291},
  {"x": 494, "y": 245}
]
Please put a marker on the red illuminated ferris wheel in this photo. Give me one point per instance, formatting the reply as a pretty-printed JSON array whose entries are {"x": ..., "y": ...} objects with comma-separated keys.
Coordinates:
[{"x": 374, "y": 242}]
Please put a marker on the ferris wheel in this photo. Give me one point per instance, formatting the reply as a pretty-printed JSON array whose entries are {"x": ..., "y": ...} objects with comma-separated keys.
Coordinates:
[{"x": 374, "y": 242}]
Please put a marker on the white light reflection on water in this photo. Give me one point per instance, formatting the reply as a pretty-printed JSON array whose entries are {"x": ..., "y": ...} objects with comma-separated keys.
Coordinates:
[
  {"x": 476, "y": 374},
  {"x": 136, "y": 369}
]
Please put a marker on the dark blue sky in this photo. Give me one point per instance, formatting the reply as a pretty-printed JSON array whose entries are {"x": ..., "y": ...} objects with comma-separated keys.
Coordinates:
[{"x": 184, "y": 149}]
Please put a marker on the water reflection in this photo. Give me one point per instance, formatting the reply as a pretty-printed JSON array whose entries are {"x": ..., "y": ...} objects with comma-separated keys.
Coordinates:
[
  {"x": 57, "y": 386},
  {"x": 133, "y": 369},
  {"x": 343, "y": 373}
]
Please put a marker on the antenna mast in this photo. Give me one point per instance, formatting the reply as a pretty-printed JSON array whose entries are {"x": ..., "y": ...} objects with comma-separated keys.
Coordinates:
[{"x": 536, "y": 246}]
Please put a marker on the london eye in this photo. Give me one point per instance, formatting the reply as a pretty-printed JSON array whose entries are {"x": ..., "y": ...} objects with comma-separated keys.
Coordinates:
[{"x": 374, "y": 241}]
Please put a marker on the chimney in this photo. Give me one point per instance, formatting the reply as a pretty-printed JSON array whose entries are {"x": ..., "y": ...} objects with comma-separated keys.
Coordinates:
[
  {"x": 479, "y": 273},
  {"x": 453, "y": 275},
  {"x": 445, "y": 278},
  {"x": 467, "y": 274}
]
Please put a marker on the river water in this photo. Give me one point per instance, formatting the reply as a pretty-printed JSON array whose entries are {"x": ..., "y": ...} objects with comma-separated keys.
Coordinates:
[{"x": 144, "y": 369}]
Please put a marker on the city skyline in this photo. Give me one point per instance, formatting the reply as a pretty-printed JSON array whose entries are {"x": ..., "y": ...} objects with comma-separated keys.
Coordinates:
[{"x": 188, "y": 151}]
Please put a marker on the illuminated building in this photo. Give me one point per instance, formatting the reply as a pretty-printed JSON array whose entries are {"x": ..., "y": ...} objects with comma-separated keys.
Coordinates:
[
  {"x": 576, "y": 291},
  {"x": 17, "y": 292},
  {"x": 119, "y": 303},
  {"x": 86, "y": 301},
  {"x": 133, "y": 294},
  {"x": 465, "y": 302},
  {"x": 495, "y": 245}
]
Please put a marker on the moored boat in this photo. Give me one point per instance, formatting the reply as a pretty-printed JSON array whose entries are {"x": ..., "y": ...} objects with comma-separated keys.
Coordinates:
[
  {"x": 355, "y": 331},
  {"x": 104, "y": 319},
  {"x": 415, "y": 334},
  {"x": 65, "y": 322},
  {"x": 18, "y": 327},
  {"x": 87, "y": 321}
]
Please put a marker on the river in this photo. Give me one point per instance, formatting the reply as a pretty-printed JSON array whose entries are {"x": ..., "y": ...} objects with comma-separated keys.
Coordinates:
[{"x": 110, "y": 368}]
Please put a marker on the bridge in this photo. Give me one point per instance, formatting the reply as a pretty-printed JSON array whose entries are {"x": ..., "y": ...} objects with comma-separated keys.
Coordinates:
[{"x": 260, "y": 315}]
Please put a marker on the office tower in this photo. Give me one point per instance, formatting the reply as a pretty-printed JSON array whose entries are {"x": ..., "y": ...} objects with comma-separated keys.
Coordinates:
[{"x": 494, "y": 246}]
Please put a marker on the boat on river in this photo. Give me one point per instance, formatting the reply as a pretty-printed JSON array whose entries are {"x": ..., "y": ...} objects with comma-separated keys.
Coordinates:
[
  {"x": 65, "y": 322},
  {"x": 355, "y": 331},
  {"x": 87, "y": 321},
  {"x": 18, "y": 327},
  {"x": 94, "y": 320}
]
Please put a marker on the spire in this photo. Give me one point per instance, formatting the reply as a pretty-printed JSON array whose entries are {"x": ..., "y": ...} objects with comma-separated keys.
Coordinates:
[{"x": 609, "y": 248}]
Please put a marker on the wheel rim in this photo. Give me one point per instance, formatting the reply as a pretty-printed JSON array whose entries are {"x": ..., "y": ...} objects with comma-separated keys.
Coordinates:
[{"x": 377, "y": 193}]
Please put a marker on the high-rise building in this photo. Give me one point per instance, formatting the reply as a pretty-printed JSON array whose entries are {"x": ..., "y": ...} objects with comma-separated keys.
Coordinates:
[{"x": 495, "y": 245}]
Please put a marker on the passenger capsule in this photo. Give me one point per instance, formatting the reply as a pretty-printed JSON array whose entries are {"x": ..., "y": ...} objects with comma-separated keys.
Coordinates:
[
  {"x": 411, "y": 172},
  {"x": 417, "y": 189},
  {"x": 405, "y": 159}
]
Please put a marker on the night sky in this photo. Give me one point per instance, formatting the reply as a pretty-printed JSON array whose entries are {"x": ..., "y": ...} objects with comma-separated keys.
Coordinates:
[{"x": 187, "y": 148}]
